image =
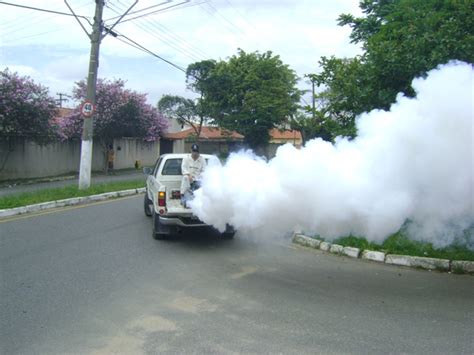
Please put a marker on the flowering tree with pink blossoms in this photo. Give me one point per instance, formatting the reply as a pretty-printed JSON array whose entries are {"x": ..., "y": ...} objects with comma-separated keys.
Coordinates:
[
  {"x": 26, "y": 109},
  {"x": 119, "y": 112}
]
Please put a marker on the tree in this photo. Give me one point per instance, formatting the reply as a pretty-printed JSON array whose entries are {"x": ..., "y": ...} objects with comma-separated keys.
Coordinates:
[
  {"x": 401, "y": 39},
  {"x": 198, "y": 76},
  {"x": 250, "y": 93},
  {"x": 120, "y": 112},
  {"x": 404, "y": 39},
  {"x": 315, "y": 124},
  {"x": 185, "y": 111},
  {"x": 26, "y": 109}
]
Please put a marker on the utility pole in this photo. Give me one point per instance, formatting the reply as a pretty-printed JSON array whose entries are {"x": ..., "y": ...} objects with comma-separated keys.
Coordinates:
[
  {"x": 312, "y": 79},
  {"x": 88, "y": 107},
  {"x": 87, "y": 128},
  {"x": 60, "y": 100}
]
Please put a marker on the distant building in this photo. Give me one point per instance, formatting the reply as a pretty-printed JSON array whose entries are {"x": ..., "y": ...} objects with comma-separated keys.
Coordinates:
[
  {"x": 278, "y": 136},
  {"x": 213, "y": 140}
]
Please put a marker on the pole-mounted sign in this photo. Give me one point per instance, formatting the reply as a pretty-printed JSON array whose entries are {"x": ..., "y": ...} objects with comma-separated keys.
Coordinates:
[{"x": 87, "y": 108}]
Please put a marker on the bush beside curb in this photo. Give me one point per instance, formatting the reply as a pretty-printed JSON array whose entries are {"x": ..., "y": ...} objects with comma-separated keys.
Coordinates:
[{"x": 455, "y": 266}]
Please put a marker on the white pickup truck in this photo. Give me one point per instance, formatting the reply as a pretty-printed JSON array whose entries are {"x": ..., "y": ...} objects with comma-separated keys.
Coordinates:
[{"x": 163, "y": 200}]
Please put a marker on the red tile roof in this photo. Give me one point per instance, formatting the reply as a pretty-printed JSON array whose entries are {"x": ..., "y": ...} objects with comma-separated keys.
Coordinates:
[
  {"x": 286, "y": 134},
  {"x": 206, "y": 133},
  {"x": 218, "y": 133}
]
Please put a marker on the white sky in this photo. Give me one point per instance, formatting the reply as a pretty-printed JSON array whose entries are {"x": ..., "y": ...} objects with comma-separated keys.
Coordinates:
[{"x": 54, "y": 50}]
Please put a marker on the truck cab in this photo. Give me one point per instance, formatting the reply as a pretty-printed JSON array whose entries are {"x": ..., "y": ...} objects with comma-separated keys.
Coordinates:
[{"x": 162, "y": 199}]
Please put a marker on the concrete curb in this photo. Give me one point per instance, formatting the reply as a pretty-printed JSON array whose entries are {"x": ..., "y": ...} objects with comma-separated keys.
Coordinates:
[
  {"x": 68, "y": 202},
  {"x": 419, "y": 262},
  {"x": 455, "y": 266}
]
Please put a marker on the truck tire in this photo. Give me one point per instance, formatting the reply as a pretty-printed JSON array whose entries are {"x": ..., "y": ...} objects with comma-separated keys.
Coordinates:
[
  {"x": 229, "y": 232},
  {"x": 157, "y": 231},
  {"x": 147, "y": 203}
]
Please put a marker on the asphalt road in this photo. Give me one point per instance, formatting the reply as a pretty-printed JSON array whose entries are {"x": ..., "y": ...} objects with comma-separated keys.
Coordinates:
[{"x": 91, "y": 280}]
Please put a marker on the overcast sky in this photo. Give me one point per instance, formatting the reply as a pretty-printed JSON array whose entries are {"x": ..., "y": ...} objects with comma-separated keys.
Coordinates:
[{"x": 54, "y": 50}]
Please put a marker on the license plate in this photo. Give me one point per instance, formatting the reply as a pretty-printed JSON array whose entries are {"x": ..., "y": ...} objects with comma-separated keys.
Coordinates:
[{"x": 175, "y": 195}]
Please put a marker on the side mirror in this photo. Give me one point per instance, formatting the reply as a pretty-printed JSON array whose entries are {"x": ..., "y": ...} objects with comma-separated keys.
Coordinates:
[{"x": 147, "y": 171}]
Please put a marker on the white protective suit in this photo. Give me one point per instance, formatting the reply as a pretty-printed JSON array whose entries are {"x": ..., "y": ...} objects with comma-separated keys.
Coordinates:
[{"x": 193, "y": 168}]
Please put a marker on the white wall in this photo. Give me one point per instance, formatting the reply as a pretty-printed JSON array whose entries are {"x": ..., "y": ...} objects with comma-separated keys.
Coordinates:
[{"x": 21, "y": 159}]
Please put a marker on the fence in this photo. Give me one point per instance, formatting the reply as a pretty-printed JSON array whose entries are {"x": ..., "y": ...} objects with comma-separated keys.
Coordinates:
[{"x": 21, "y": 158}]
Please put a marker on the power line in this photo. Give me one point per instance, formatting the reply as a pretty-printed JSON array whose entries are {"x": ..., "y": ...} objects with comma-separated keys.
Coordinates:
[
  {"x": 166, "y": 41},
  {"x": 240, "y": 14},
  {"x": 32, "y": 36},
  {"x": 44, "y": 10},
  {"x": 141, "y": 10},
  {"x": 233, "y": 28},
  {"x": 146, "y": 50},
  {"x": 30, "y": 21},
  {"x": 170, "y": 38},
  {"x": 15, "y": 26},
  {"x": 181, "y": 42},
  {"x": 156, "y": 11}
]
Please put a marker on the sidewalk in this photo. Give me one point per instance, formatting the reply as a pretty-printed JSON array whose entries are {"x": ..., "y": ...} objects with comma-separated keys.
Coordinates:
[{"x": 55, "y": 182}]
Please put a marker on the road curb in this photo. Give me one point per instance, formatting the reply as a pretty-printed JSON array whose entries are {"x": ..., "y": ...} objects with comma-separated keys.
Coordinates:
[
  {"x": 68, "y": 202},
  {"x": 418, "y": 262},
  {"x": 455, "y": 266}
]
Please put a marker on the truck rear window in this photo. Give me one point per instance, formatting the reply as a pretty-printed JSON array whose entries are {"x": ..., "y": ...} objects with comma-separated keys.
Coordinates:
[{"x": 172, "y": 167}]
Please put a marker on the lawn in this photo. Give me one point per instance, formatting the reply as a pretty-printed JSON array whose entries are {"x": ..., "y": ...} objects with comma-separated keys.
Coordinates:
[{"x": 400, "y": 243}]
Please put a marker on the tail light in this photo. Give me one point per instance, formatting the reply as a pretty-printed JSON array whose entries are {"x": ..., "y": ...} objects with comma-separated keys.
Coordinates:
[{"x": 162, "y": 198}]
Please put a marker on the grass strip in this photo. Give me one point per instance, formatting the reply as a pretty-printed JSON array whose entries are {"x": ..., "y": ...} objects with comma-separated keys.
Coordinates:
[
  {"x": 46, "y": 195},
  {"x": 400, "y": 243}
]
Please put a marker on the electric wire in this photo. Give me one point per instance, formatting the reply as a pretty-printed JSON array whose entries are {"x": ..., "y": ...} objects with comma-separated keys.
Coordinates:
[
  {"x": 33, "y": 36},
  {"x": 146, "y": 50},
  {"x": 240, "y": 14},
  {"x": 210, "y": 4},
  {"x": 213, "y": 12},
  {"x": 45, "y": 10},
  {"x": 164, "y": 40},
  {"x": 141, "y": 10},
  {"x": 26, "y": 24},
  {"x": 154, "y": 12},
  {"x": 170, "y": 34},
  {"x": 170, "y": 39}
]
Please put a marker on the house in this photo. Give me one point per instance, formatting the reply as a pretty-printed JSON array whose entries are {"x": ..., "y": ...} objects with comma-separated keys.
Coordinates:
[
  {"x": 212, "y": 140},
  {"x": 215, "y": 140},
  {"x": 279, "y": 137}
]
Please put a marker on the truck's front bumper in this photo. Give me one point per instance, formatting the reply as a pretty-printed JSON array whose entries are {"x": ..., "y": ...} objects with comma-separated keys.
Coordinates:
[{"x": 184, "y": 222}]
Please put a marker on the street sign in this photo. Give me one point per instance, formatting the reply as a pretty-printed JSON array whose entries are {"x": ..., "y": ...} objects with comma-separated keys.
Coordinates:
[{"x": 87, "y": 109}]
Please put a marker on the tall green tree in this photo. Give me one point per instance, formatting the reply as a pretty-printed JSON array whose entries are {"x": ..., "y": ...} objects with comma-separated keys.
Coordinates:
[
  {"x": 401, "y": 40},
  {"x": 404, "y": 39},
  {"x": 183, "y": 110},
  {"x": 250, "y": 93}
]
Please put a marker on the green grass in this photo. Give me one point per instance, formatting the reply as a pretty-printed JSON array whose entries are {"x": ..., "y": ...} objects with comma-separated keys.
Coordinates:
[
  {"x": 399, "y": 243},
  {"x": 46, "y": 195}
]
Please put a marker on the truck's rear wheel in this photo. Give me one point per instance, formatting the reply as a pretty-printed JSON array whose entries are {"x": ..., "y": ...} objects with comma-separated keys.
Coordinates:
[
  {"x": 157, "y": 231},
  {"x": 147, "y": 203}
]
